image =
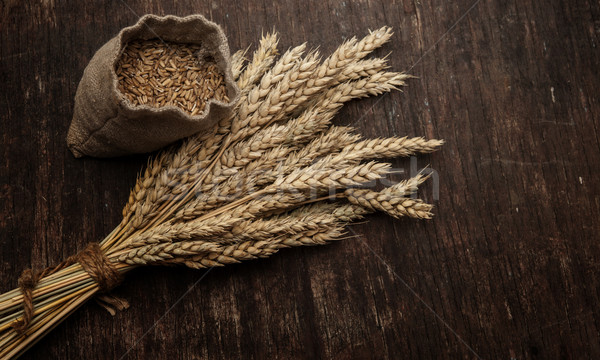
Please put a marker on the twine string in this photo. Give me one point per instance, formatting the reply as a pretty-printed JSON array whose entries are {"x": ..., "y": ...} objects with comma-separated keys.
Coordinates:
[{"x": 92, "y": 260}]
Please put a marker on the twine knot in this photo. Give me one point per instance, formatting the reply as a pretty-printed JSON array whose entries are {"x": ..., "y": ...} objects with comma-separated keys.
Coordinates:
[
  {"x": 97, "y": 265},
  {"x": 91, "y": 259}
]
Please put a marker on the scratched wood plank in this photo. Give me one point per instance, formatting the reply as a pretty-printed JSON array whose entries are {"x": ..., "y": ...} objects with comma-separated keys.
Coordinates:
[{"x": 507, "y": 269}]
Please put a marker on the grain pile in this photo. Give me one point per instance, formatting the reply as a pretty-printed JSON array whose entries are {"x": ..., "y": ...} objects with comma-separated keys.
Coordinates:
[
  {"x": 159, "y": 73},
  {"x": 276, "y": 174}
]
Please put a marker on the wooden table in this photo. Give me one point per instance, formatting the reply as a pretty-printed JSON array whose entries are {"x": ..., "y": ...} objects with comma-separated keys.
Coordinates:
[{"x": 509, "y": 267}]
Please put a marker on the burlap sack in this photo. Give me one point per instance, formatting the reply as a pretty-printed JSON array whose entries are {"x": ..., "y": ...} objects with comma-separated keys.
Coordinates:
[{"x": 106, "y": 124}]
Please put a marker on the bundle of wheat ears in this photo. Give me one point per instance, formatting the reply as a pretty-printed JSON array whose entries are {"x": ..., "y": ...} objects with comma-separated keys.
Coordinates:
[{"x": 277, "y": 174}]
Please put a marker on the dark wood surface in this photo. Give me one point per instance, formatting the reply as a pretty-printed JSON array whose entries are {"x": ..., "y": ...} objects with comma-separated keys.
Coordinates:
[{"x": 509, "y": 267}]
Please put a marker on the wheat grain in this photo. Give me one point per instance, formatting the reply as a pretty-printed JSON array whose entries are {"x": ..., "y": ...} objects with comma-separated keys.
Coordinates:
[{"x": 160, "y": 74}]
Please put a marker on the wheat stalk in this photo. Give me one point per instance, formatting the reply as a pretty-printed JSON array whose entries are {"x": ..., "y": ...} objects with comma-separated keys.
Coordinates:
[{"x": 276, "y": 174}]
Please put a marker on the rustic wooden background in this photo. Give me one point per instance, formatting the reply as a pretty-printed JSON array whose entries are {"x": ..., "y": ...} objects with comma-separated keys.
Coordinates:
[{"x": 509, "y": 267}]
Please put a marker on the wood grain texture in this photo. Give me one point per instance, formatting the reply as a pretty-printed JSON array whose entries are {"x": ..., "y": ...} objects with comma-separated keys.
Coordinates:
[{"x": 509, "y": 267}]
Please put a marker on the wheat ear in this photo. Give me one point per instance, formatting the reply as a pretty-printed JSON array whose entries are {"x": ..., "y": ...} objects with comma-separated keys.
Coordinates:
[
  {"x": 261, "y": 61},
  {"x": 208, "y": 255},
  {"x": 238, "y": 61}
]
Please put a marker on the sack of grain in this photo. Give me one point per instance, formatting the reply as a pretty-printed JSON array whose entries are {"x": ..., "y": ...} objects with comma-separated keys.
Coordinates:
[{"x": 156, "y": 82}]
